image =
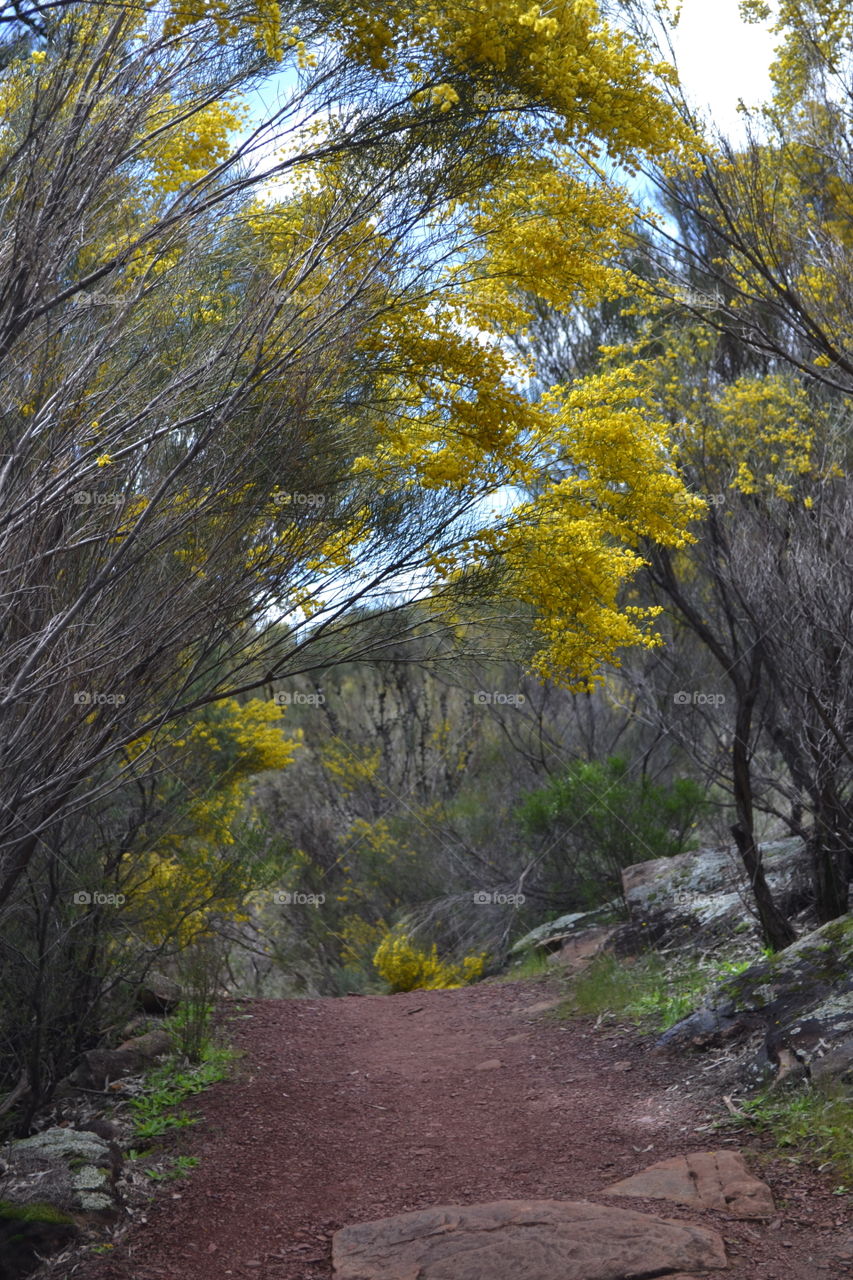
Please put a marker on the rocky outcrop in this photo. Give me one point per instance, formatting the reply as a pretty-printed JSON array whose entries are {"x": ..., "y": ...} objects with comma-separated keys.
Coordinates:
[
  {"x": 800, "y": 999},
  {"x": 30, "y": 1232},
  {"x": 552, "y": 935},
  {"x": 708, "y": 890},
  {"x": 69, "y": 1170},
  {"x": 704, "y": 1180},
  {"x": 566, "y": 1240},
  {"x": 158, "y": 994}
]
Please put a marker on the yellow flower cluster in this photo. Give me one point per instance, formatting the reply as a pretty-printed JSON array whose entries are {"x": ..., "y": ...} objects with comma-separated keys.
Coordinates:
[
  {"x": 183, "y": 155},
  {"x": 347, "y": 766},
  {"x": 406, "y": 967},
  {"x": 594, "y": 79},
  {"x": 263, "y": 16},
  {"x": 195, "y": 871}
]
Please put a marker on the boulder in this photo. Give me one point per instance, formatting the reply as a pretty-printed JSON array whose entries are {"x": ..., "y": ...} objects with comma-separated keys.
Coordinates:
[
  {"x": 69, "y": 1170},
  {"x": 158, "y": 994},
  {"x": 800, "y": 998},
  {"x": 703, "y": 1180},
  {"x": 579, "y": 949},
  {"x": 708, "y": 889},
  {"x": 524, "y": 1240},
  {"x": 98, "y": 1067},
  {"x": 834, "y": 1068},
  {"x": 554, "y": 933}
]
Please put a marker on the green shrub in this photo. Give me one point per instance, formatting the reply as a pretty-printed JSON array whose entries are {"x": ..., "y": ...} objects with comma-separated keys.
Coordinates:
[
  {"x": 813, "y": 1124},
  {"x": 600, "y": 818}
]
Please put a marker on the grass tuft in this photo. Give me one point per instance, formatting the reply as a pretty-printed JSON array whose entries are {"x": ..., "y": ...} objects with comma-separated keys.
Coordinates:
[
  {"x": 649, "y": 991},
  {"x": 814, "y": 1125}
]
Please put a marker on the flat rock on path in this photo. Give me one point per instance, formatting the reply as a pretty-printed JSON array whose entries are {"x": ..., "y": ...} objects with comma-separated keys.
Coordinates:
[
  {"x": 702, "y": 1180},
  {"x": 346, "y": 1111},
  {"x": 524, "y": 1240}
]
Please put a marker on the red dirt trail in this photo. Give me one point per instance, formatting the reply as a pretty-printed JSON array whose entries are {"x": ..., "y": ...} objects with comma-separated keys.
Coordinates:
[{"x": 346, "y": 1110}]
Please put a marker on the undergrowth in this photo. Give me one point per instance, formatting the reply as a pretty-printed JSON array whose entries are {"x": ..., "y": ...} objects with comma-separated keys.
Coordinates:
[
  {"x": 812, "y": 1124},
  {"x": 169, "y": 1085},
  {"x": 647, "y": 990},
  {"x": 533, "y": 964}
]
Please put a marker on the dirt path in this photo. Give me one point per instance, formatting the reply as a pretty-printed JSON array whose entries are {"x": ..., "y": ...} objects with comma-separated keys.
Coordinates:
[{"x": 353, "y": 1109}]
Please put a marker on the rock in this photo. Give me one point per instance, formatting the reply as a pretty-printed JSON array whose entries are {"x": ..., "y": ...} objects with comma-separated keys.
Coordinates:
[
  {"x": 158, "y": 994},
  {"x": 491, "y": 1064},
  {"x": 524, "y": 1240},
  {"x": 30, "y": 1232},
  {"x": 706, "y": 890},
  {"x": 554, "y": 933},
  {"x": 791, "y": 1071},
  {"x": 148, "y": 1047},
  {"x": 801, "y": 998},
  {"x": 98, "y": 1067},
  {"x": 704, "y": 1180},
  {"x": 541, "y": 1006},
  {"x": 709, "y": 1026},
  {"x": 70, "y": 1170},
  {"x": 578, "y": 949},
  {"x": 835, "y": 1067}
]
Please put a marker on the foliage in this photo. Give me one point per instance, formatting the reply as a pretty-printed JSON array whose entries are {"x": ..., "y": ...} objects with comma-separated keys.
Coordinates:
[
  {"x": 532, "y": 964},
  {"x": 812, "y": 1124},
  {"x": 196, "y": 859},
  {"x": 602, "y": 817},
  {"x": 170, "y": 1085},
  {"x": 178, "y": 1168},
  {"x": 159, "y": 870},
  {"x": 650, "y": 991},
  {"x": 254, "y": 372},
  {"x": 406, "y": 967}
]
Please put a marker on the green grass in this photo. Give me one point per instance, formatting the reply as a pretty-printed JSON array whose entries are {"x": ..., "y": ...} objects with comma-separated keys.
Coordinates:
[
  {"x": 813, "y": 1125},
  {"x": 178, "y": 1168},
  {"x": 533, "y": 964},
  {"x": 650, "y": 992}
]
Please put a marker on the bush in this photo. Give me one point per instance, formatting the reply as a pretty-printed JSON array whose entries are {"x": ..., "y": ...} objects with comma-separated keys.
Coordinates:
[
  {"x": 599, "y": 818},
  {"x": 405, "y": 967}
]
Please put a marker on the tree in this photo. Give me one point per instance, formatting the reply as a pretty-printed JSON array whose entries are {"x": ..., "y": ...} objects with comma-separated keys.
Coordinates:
[
  {"x": 252, "y": 372},
  {"x": 232, "y": 409},
  {"x": 604, "y": 819}
]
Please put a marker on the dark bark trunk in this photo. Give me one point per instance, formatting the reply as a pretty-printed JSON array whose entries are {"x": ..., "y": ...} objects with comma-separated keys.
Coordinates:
[{"x": 777, "y": 930}]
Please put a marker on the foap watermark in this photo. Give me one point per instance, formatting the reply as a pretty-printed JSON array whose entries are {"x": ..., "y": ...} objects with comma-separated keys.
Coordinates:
[
  {"x": 485, "y": 698},
  {"x": 697, "y": 698},
  {"x": 86, "y": 300},
  {"x": 299, "y": 699},
  {"x": 299, "y": 499},
  {"x": 710, "y": 499},
  {"x": 496, "y": 898},
  {"x": 88, "y": 498},
  {"x": 82, "y": 898},
  {"x": 285, "y": 898},
  {"x": 93, "y": 698}
]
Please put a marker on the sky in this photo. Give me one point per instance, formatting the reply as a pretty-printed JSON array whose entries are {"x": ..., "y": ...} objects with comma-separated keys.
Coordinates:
[{"x": 722, "y": 59}]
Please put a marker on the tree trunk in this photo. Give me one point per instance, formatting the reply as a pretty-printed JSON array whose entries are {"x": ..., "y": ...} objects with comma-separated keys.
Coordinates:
[{"x": 778, "y": 932}]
